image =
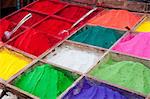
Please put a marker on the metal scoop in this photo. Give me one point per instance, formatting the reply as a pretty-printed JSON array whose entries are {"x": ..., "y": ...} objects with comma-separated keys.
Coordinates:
[
  {"x": 76, "y": 23},
  {"x": 8, "y": 34}
]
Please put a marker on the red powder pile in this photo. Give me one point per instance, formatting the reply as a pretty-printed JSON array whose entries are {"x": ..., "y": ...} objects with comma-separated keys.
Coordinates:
[
  {"x": 47, "y": 6},
  {"x": 53, "y": 27},
  {"x": 34, "y": 42},
  {"x": 17, "y": 18},
  {"x": 73, "y": 12},
  {"x": 6, "y": 25}
]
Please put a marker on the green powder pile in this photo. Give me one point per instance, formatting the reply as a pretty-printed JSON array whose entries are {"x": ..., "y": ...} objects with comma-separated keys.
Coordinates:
[
  {"x": 44, "y": 81},
  {"x": 132, "y": 75},
  {"x": 97, "y": 36}
]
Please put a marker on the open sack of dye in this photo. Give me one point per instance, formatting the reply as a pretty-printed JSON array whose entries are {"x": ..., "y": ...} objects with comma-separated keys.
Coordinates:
[
  {"x": 89, "y": 89},
  {"x": 6, "y": 25},
  {"x": 135, "y": 44},
  {"x": 47, "y": 6},
  {"x": 118, "y": 19},
  {"x": 44, "y": 81},
  {"x": 97, "y": 36},
  {"x": 34, "y": 42},
  {"x": 11, "y": 63},
  {"x": 132, "y": 75}
]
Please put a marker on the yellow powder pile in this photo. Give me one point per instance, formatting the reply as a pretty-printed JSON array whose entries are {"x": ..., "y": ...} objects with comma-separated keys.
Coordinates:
[
  {"x": 144, "y": 26},
  {"x": 11, "y": 62}
]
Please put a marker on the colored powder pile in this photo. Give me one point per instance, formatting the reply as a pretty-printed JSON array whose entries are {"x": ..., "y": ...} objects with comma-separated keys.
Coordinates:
[
  {"x": 116, "y": 19},
  {"x": 144, "y": 26},
  {"x": 46, "y": 6},
  {"x": 97, "y": 36},
  {"x": 6, "y": 25},
  {"x": 20, "y": 15},
  {"x": 34, "y": 42},
  {"x": 73, "y": 12},
  {"x": 74, "y": 58},
  {"x": 132, "y": 75},
  {"x": 54, "y": 27},
  {"x": 138, "y": 45},
  {"x": 89, "y": 90},
  {"x": 11, "y": 63},
  {"x": 45, "y": 82}
]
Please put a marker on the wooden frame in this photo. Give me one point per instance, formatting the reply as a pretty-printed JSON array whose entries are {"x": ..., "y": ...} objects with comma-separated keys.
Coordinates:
[{"x": 120, "y": 56}]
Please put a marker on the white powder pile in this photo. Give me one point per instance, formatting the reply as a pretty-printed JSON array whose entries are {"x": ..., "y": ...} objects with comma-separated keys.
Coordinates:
[{"x": 74, "y": 58}]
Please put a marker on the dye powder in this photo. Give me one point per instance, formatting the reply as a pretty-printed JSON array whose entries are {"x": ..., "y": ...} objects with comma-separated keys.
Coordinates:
[
  {"x": 144, "y": 27},
  {"x": 132, "y": 75},
  {"x": 116, "y": 19},
  {"x": 21, "y": 14},
  {"x": 97, "y": 36},
  {"x": 89, "y": 90},
  {"x": 135, "y": 44},
  {"x": 34, "y": 42},
  {"x": 54, "y": 26},
  {"x": 11, "y": 63},
  {"x": 46, "y": 6},
  {"x": 44, "y": 81},
  {"x": 73, "y": 12},
  {"x": 74, "y": 58},
  {"x": 6, "y": 25}
]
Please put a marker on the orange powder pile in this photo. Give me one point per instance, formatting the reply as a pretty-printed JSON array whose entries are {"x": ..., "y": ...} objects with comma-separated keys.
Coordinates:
[{"x": 118, "y": 19}]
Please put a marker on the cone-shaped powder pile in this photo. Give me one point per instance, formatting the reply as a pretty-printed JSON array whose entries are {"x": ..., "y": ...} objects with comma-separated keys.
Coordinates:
[
  {"x": 132, "y": 75},
  {"x": 97, "y": 36},
  {"x": 34, "y": 42},
  {"x": 116, "y": 19},
  {"x": 135, "y": 44},
  {"x": 54, "y": 26},
  {"x": 11, "y": 63},
  {"x": 44, "y": 81},
  {"x": 88, "y": 90},
  {"x": 74, "y": 58}
]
